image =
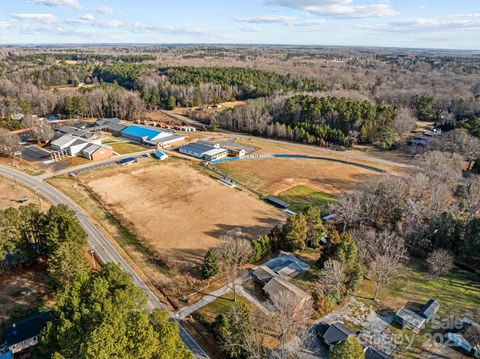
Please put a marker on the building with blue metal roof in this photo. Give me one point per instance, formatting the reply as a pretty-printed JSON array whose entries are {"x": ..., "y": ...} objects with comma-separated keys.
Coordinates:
[{"x": 140, "y": 134}]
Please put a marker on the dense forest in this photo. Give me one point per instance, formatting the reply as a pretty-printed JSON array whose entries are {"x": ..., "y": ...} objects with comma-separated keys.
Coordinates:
[
  {"x": 435, "y": 86},
  {"x": 314, "y": 120}
]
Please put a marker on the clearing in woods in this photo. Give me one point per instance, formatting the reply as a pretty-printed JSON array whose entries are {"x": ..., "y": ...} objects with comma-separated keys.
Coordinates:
[{"x": 177, "y": 211}]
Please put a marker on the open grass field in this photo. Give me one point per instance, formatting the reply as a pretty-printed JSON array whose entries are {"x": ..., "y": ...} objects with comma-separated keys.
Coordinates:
[
  {"x": 122, "y": 148},
  {"x": 178, "y": 212},
  {"x": 458, "y": 293},
  {"x": 276, "y": 175},
  {"x": 10, "y": 193},
  {"x": 301, "y": 197}
]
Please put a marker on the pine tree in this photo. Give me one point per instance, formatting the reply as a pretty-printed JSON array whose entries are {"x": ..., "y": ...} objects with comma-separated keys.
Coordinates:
[{"x": 210, "y": 264}]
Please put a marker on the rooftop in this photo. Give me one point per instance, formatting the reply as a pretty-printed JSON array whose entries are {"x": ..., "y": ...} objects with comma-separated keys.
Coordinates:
[
  {"x": 26, "y": 329},
  {"x": 141, "y": 132},
  {"x": 278, "y": 285},
  {"x": 429, "y": 309},
  {"x": 287, "y": 265},
  {"x": 336, "y": 333},
  {"x": 411, "y": 317}
]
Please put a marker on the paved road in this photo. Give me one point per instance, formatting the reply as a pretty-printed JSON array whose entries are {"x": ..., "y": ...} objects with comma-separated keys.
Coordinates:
[
  {"x": 91, "y": 165},
  {"x": 99, "y": 243},
  {"x": 183, "y": 118}
]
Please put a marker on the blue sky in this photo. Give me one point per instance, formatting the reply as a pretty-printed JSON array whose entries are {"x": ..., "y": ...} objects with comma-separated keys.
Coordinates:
[{"x": 397, "y": 23}]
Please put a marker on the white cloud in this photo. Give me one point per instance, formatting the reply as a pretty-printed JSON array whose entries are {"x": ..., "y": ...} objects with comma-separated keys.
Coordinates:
[
  {"x": 105, "y": 10},
  {"x": 4, "y": 25},
  {"x": 251, "y": 28},
  {"x": 70, "y": 3},
  {"x": 267, "y": 19},
  {"x": 278, "y": 19},
  {"x": 88, "y": 17},
  {"x": 315, "y": 22},
  {"x": 45, "y": 18},
  {"x": 465, "y": 22},
  {"x": 337, "y": 8}
]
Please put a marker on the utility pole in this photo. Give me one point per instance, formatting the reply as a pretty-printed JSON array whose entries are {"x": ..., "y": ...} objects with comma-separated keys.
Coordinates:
[{"x": 38, "y": 196}]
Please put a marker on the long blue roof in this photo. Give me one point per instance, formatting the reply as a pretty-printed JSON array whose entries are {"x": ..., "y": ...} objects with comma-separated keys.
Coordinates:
[{"x": 141, "y": 132}]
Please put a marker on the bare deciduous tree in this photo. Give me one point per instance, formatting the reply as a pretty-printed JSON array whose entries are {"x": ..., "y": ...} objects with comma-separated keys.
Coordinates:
[
  {"x": 404, "y": 123},
  {"x": 41, "y": 130},
  {"x": 333, "y": 274},
  {"x": 232, "y": 254},
  {"x": 8, "y": 142},
  {"x": 385, "y": 256},
  {"x": 291, "y": 314},
  {"x": 439, "y": 262}
]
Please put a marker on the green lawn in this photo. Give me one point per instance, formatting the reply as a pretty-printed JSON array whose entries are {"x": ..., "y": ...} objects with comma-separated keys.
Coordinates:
[
  {"x": 123, "y": 148},
  {"x": 219, "y": 306},
  {"x": 301, "y": 197},
  {"x": 458, "y": 293}
]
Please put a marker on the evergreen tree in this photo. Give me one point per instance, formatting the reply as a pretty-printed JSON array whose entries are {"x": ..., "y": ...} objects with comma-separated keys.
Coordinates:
[
  {"x": 103, "y": 315},
  {"x": 210, "y": 264},
  {"x": 350, "y": 348},
  {"x": 295, "y": 233},
  {"x": 316, "y": 231},
  {"x": 171, "y": 103}
]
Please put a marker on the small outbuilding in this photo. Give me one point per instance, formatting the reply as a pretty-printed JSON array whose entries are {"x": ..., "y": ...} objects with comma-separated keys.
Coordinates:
[
  {"x": 160, "y": 155},
  {"x": 429, "y": 310},
  {"x": 277, "y": 202},
  {"x": 407, "y": 318}
]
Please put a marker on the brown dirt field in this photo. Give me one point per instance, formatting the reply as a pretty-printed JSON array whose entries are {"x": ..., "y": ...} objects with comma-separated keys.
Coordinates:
[
  {"x": 179, "y": 212},
  {"x": 277, "y": 175},
  {"x": 22, "y": 291},
  {"x": 10, "y": 193},
  {"x": 161, "y": 117}
]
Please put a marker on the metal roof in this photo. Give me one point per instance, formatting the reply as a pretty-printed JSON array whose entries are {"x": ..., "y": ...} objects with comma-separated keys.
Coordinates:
[
  {"x": 263, "y": 273},
  {"x": 159, "y": 154},
  {"x": 64, "y": 141},
  {"x": 197, "y": 148},
  {"x": 411, "y": 318},
  {"x": 277, "y": 201},
  {"x": 277, "y": 285},
  {"x": 116, "y": 127},
  {"x": 91, "y": 149},
  {"x": 337, "y": 332},
  {"x": 215, "y": 151},
  {"x": 429, "y": 309},
  {"x": 168, "y": 138},
  {"x": 26, "y": 329},
  {"x": 141, "y": 132}
]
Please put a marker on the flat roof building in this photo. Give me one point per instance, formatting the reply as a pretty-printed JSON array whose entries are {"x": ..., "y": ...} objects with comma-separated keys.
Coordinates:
[{"x": 203, "y": 151}]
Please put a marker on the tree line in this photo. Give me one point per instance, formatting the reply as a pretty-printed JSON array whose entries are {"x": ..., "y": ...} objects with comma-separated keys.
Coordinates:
[{"x": 319, "y": 120}]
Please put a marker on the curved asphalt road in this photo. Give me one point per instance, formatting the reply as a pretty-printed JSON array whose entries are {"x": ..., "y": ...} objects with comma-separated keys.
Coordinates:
[{"x": 99, "y": 243}]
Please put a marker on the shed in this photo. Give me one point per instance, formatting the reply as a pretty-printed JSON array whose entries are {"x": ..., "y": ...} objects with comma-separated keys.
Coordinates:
[
  {"x": 409, "y": 319},
  {"x": 160, "y": 155},
  {"x": 277, "y": 202},
  {"x": 429, "y": 310}
]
